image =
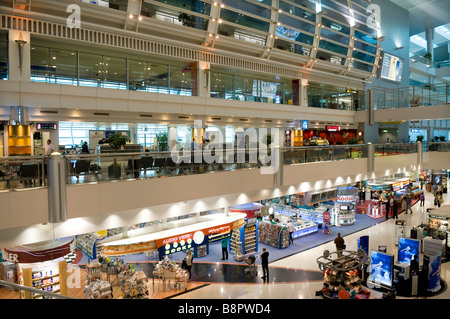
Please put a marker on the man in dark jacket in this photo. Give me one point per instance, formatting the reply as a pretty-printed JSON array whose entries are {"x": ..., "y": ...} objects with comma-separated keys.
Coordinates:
[{"x": 340, "y": 243}]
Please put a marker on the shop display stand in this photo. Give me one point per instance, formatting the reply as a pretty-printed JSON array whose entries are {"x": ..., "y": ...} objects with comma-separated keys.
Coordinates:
[
  {"x": 134, "y": 286},
  {"x": 235, "y": 241},
  {"x": 93, "y": 271},
  {"x": 273, "y": 235},
  {"x": 98, "y": 289},
  {"x": 9, "y": 273},
  {"x": 51, "y": 277},
  {"x": 87, "y": 243},
  {"x": 400, "y": 230}
]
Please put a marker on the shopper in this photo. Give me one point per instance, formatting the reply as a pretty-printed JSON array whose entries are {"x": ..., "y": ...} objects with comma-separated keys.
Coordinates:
[
  {"x": 85, "y": 148},
  {"x": 290, "y": 228},
  {"x": 189, "y": 261},
  {"x": 340, "y": 244},
  {"x": 265, "y": 264},
  {"x": 388, "y": 205},
  {"x": 325, "y": 289},
  {"x": 422, "y": 199},
  {"x": 224, "y": 248},
  {"x": 408, "y": 202},
  {"x": 439, "y": 198},
  {"x": 343, "y": 293},
  {"x": 48, "y": 148},
  {"x": 394, "y": 209}
]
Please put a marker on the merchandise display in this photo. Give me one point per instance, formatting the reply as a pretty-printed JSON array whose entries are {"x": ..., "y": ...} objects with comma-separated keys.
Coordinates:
[
  {"x": 49, "y": 276},
  {"x": 273, "y": 235},
  {"x": 9, "y": 272},
  {"x": 88, "y": 244},
  {"x": 98, "y": 289},
  {"x": 134, "y": 286},
  {"x": 167, "y": 270},
  {"x": 304, "y": 227},
  {"x": 93, "y": 270},
  {"x": 400, "y": 229},
  {"x": 381, "y": 269},
  {"x": 343, "y": 270}
]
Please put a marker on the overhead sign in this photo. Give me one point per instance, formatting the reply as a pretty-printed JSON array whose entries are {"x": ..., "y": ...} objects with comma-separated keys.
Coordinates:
[
  {"x": 345, "y": 198},
  {"x": 333, "y": 128},
  {"x": 305, "y": 125},
  {"x": 46, "y": 126}
]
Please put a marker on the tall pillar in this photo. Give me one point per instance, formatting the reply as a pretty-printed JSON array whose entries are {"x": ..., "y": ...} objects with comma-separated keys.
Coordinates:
[
  {"x": 429, "y": 35},
  {"x": 203, "y": 79},
  {"x": 172, "y": 136},
  {"x": 19, "y": 55},
  {"x": 303, "y": 93},
  {"x": 57, "y": 205}
]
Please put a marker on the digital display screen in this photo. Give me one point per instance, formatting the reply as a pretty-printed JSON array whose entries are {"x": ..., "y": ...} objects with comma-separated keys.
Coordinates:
[
  {"x": 407, "y": 249},
  {"x": 381, "y": 268},
  {"x": 391, "y": 67}
]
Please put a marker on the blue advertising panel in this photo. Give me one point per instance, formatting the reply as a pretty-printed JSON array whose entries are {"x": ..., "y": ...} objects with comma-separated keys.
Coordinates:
[
  {"x": 381, "y": 268},
  {"x": 407, "y": 249},
  {"x": 305, "y": 125},
  {"x": 434, "y": 273},
  {"x": 363, "y": 243}
]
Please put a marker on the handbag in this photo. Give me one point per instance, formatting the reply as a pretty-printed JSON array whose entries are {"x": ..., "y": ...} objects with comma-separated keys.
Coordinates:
[{"x": 344, "y": 246}]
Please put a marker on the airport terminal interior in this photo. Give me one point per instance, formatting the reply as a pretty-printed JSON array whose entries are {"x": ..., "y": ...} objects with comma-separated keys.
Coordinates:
[{"x": 224, "y": 149}]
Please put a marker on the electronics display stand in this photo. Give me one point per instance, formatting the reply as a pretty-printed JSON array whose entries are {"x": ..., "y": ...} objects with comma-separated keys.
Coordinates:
[
  {"x": 345, "y": 269},
  {"x": 400, "y": 230}
]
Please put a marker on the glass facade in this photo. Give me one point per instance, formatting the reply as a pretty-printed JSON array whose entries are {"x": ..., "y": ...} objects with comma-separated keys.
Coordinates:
[
  {"x": 323, "y": 96},
  {"x": 71, "y": 67},
  {"x": 255, "y": 89}
]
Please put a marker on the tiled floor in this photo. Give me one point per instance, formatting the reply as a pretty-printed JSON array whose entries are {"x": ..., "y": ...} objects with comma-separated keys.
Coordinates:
[{"x": 380, "y": 234}]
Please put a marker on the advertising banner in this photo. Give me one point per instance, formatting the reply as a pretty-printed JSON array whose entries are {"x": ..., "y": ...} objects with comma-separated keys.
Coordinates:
[{"x": 434, "y": 273}]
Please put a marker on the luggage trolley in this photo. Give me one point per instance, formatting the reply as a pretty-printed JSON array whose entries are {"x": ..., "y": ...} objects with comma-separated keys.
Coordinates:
[{"x": 251, "y": 266}]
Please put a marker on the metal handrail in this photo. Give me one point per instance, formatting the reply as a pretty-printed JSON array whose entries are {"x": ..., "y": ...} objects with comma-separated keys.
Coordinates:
[{"x": 34, "y": 290}]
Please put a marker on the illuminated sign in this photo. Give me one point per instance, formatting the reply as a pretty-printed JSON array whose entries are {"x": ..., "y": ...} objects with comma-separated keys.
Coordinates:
[
  {"x": 345, "y": 198},
  {"x": 46, "y": 126},
  {"x": 333, "y": 128},
  {"x": 305, "y": 125}
]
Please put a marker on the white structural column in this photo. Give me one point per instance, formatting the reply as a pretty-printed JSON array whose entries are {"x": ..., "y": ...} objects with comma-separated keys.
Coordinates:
[
  {"x": 315, "y": 46},
  {"x": 203, "y": 79},
  {"x": 133, "y": 15},
  {"x": 19, "y": 56},
  {"x": 213, "y": 25},
  {"x": 272, "y": 29}
]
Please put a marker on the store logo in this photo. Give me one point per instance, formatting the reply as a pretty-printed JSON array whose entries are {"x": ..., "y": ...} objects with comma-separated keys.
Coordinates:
[
  {"x": 74, "y": 19},
  {"x": 250, "y": 146}
]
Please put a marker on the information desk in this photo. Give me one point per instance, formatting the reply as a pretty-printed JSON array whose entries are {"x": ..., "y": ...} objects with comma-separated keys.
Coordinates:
[{"x": 176, "y": 239}]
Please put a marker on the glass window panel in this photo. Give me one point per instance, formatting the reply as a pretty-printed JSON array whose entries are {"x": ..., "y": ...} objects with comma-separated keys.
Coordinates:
[
  {"x": 3, "y": 60},
  {"x": 90, "y": 69},
  {"x": 365, "y": 37},
  {"x": 361, "y": 66},
  {"x": 298, "y": 24},
  {"x": 335, "y": 26},
  {"x": 249, "y": 7},
  {"x": 158, "y": 78},
  {"x": 292, "y": 47},
  {"x": 299, "y": 12},
  {"x": 363, "y": 56},
  {"x": 114, "y": 72},
  {"x": 138, "y": 74},
  {"x": 291, "y": 34},
  {"x": 181, "y": 80},
  {"x": 326, "y": 56},
  {"x": 39, "y": 63},
  {"x": 240, "y": 34},
  {"x": 64, "y": 62},
  {"x": 222, "y": 85},
  {"x": 335, "y": 10},
  {"x": 334, "y": 36},
  {"x": 365, "y": 47},
  {"x": 243, "y": 89},
  {"x": 314, "y": 96},
  {"x": 195, "y": 6},
  {"x": 244, "y": 20},
  {"x": 330, "y": 46}
]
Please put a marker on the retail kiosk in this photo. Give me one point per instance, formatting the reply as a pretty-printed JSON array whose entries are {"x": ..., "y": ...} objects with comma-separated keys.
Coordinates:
[
  {"x": 245, "y": 239},
  {"x": 438, "y": 225},
  {"x": 345, "y": 205},
  {"x": 195, "y": 237},
  {"x": 42, "y": 266}
]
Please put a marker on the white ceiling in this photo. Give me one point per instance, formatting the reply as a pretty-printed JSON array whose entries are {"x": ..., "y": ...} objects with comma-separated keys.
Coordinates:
[{"x": 425, "y": 14}]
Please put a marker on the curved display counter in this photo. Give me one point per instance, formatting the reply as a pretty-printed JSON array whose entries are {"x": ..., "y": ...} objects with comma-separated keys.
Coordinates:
[{"x": 176, "y": 239}]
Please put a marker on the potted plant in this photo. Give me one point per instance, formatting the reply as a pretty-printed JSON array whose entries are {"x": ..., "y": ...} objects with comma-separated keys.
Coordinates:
[
  {"x": 427, "y": 56},
  {"x": 161, "y": 139},
  {"x": 419, "y": 138},
  {"x": 352, "y": 141},
  {"x": 442, "y": 138},
  {"x": 116, "y": 141},
  {"x": 267, "y": 139}
]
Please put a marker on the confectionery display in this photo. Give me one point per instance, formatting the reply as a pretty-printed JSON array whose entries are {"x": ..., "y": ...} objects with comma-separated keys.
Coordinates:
[
  {"x": 134, "y": 286},
  {"x": 98, "y": 289}
]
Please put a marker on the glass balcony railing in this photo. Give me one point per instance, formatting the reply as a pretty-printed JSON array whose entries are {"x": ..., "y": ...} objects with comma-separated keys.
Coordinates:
[
  {"x": 17, "y": 173},
  {"x": 413, "y": 96}
]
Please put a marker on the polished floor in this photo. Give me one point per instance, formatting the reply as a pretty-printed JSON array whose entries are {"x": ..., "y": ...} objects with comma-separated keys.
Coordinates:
[{"x": 305, "y": 262}]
